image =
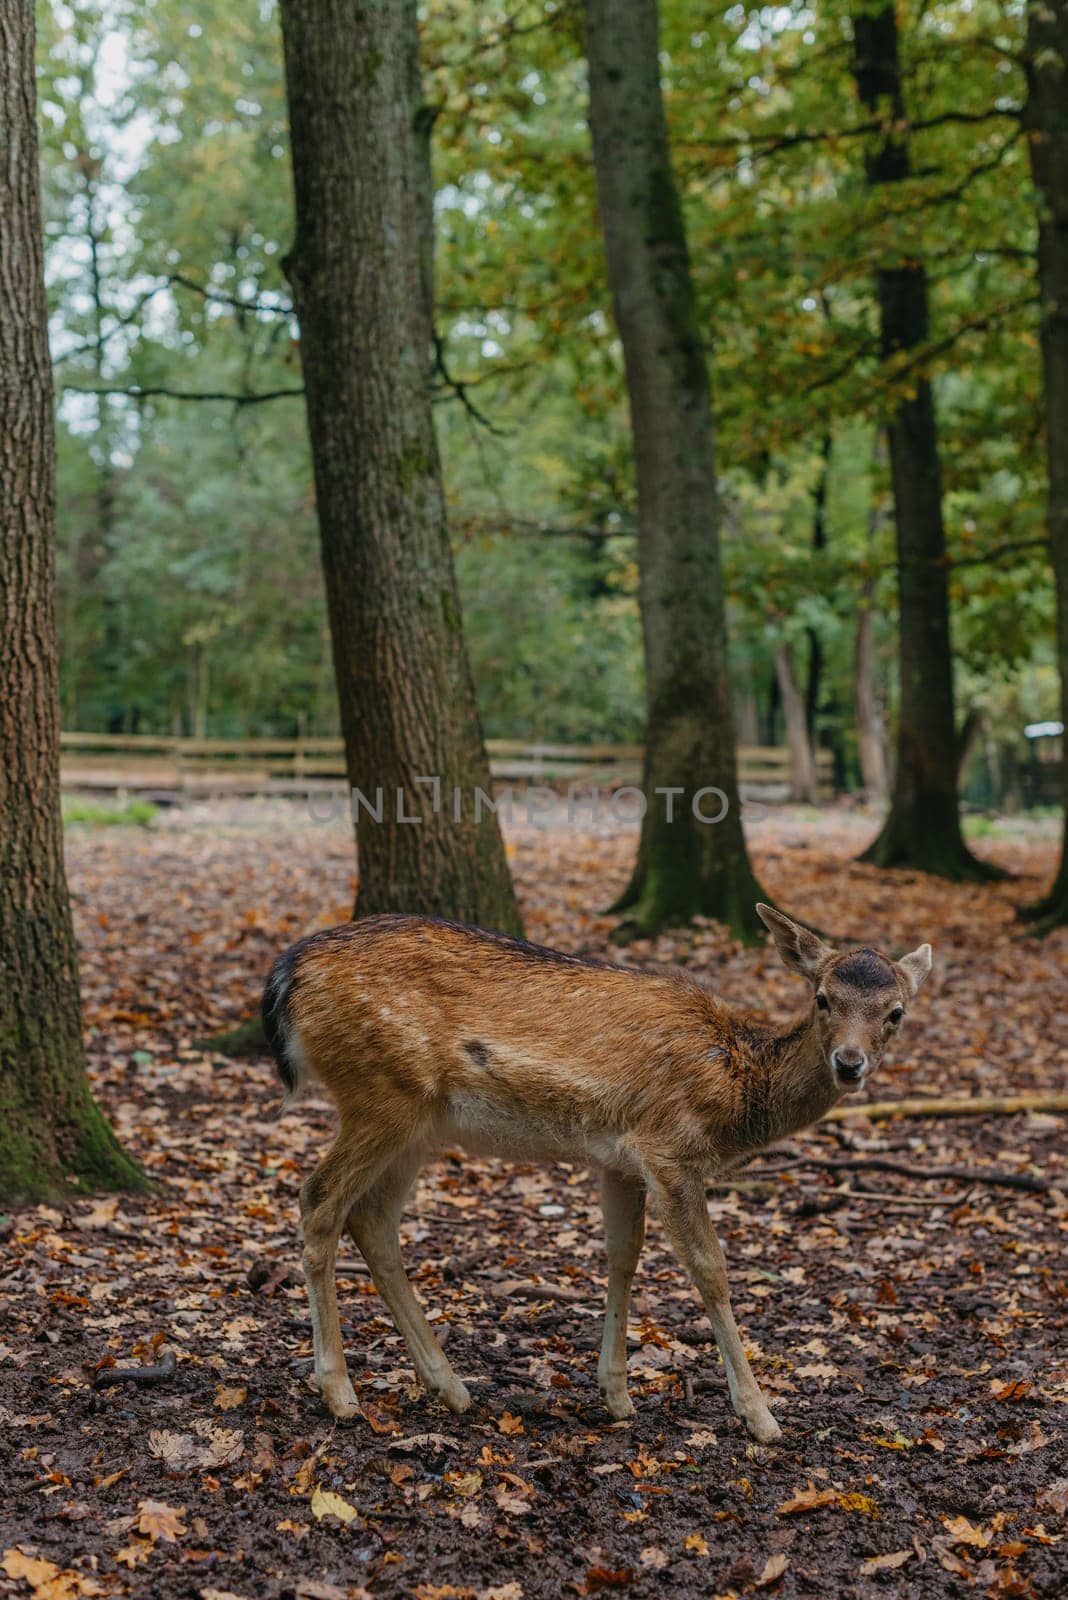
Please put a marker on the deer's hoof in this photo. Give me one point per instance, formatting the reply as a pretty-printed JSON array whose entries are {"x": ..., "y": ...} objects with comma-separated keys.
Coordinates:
[
  {"x": 618, "y": 1404},
  {"x": 763, "y": 1427},
  {"x": 340, "y": 1400},
  {"x": 453, "y": 1395}
]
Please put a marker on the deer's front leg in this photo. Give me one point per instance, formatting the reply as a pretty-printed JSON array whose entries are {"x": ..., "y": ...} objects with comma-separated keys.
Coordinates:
[
  {"x": 684, "y": 1212},
  {"x": 623, "y": 1205}
]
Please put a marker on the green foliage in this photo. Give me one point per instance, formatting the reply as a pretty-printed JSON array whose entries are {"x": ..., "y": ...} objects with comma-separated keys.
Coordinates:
[
  {"x": 190, "y": 595},
  {"x": 92, "y": 814}
]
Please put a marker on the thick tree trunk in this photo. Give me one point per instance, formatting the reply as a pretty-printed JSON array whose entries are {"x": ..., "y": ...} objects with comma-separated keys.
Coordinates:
[
  {"x": 359, "y": 274},
  {"x": 803, "y": 782},
  {"x": 922, "y": 829},
  {"x": 684, "y": 867},
  {"x": 1046, "y": 118},
  {"x": 52, "y": 1135}
]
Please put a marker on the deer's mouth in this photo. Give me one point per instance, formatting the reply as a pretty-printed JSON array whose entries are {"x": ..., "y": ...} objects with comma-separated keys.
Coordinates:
[{"x": 848, "y": 1072}]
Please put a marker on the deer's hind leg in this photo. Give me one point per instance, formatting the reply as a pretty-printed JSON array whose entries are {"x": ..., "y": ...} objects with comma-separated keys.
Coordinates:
[
  {"x": 349, "y": 1168},
  {"x": 374, "y": 1223},
  {"x": 623, "y": 1205}
]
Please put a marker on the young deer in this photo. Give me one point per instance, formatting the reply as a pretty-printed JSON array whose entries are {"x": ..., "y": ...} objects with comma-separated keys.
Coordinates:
[{"x": 426, "y": 1033}]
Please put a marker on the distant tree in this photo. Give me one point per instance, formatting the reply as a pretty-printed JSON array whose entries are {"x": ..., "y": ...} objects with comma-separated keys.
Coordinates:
[
  {"x": 922, "y": 829},
  {"x": 52, "y": 1134},
  {"x": 359, "y": 275},
  {"x": 1046, "y": 120},
  {"x": 684, "y": 867}
]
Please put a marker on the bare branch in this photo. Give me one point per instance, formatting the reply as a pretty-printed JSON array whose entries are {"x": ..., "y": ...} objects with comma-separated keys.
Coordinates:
[{"x": 158, "y": 391}]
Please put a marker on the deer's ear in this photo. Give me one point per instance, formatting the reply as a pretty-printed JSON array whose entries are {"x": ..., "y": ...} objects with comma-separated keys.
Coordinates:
[
  {"x": 800, "y": 950},
  {"x": 915, "y": 967}
]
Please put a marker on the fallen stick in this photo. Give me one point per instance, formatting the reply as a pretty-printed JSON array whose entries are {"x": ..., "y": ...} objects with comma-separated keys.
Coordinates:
[
  {"x": 965, "y": 1106},
  {"x": 1005, "y": 1180},
  {"x": 157, "y": 1374},
  {"x": 538, "y": 1291}
]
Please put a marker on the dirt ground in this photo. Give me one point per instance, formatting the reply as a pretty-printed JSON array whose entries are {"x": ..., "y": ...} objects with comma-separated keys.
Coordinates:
[{"x": 908, "y": 1328}]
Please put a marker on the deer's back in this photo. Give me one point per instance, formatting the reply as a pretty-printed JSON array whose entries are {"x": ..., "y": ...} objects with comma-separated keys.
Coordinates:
[{"x": 504, "y": 1045}]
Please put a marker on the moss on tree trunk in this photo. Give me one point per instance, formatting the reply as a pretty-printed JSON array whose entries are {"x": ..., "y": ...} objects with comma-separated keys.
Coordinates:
[{"x": 52, "y": 1134}]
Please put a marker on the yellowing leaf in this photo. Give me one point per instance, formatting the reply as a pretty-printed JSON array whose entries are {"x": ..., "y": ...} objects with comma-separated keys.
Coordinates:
[
  {"x": 861, "y": 1503},
  {"x": 326, "y": 1504},
  {"x": 697, "y": 1543},
  {"x": 510, "y": 1424},
  {"x": 653, "y": 1556},
  {"x": 35, "y": 1569}
]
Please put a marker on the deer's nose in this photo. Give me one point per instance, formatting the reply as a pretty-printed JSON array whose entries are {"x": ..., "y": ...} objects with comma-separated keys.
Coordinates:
[{"x": 849, "y": 1063}]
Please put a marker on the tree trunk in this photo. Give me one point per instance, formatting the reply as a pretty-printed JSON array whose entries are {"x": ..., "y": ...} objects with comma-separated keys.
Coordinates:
[
  {"x": 870, "y": 736},
  {"x": 684, "y": 867},
  {"x": 803, "y": 782},
  {"x": 819, "y": 543},
  {"x": 1046, "y": 119},
  {"x": 922, "y": 829},
  {"x": 52, "y": 1134},
  {"x": 359, "y": 270}
]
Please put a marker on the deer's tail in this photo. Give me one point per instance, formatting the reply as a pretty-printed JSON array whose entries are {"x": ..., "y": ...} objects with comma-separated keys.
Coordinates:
[{"x": 289, "y": 1055}]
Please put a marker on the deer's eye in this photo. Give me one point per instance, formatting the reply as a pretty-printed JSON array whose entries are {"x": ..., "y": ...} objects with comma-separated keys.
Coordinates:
[
  {"x": 896, "y": 1015},
  {"x": 821, "y": 1000}
]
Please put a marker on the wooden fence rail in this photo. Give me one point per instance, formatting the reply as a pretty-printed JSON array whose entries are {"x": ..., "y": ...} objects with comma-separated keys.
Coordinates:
[{"x": 173, "y": 767}]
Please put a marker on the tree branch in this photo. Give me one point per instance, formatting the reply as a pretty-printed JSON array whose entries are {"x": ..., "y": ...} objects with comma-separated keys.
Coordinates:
[{"x": 159, "y": 391}]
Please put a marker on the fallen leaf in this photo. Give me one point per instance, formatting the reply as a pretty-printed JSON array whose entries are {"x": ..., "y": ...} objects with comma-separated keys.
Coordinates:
[
  {"x": 961, "y": 1531},
  {"x": 1017, "y": 1389},
  {"x": 326, "y": 1504},
  {"x": 434, "y": 1443},
  {"x": 516, "y": 1505},
  {"x": 774, "y": 1568},
  {"x": 132, "y": 1555},
  {"x": 653, "y": 1556},
  {"x": 227, "y": 1399},
  {"x": 225, "y": 1446},
  {"x": 509, "y": 1424},
  {"x": 697, "y": 1543},
  {"x": 861, "y": 1503},
  {"x": 887, "y": 1563},
  {"x": 158, "y": 1521},
  {"x": 173, "y": 1449},
  {"x": 810, "y": 1499}
]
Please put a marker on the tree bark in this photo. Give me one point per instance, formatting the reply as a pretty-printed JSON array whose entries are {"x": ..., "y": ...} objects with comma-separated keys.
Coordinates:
[
  {"x": 359, "y": 272},
  {"x": 803, "y": 782},
  {"x": 814, "y": 681},
  {"x": 52, "y": 1134},
  {"x": 1046, "y": 120},
  {"x": 684, "y": 867},
  {"x": 922, "y": 829},
  {"x": 870, "y": 738}
]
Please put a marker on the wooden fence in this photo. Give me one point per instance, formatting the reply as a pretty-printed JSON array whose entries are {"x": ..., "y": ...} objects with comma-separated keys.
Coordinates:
[{"x": 175, "y": 768}]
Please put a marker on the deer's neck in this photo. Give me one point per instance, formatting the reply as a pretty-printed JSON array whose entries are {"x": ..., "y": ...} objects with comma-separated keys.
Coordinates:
[{"x": 793, "y": 1086}]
